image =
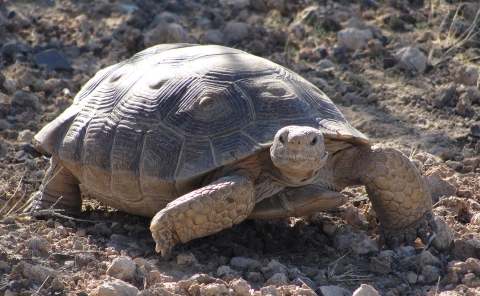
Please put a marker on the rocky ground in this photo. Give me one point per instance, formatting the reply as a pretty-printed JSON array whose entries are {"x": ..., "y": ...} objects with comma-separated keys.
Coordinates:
[{"x": 405, "y": 73}]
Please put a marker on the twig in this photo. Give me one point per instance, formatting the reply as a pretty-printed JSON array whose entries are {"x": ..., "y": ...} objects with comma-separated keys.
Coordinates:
[
  {"x": 438, "y": 284},
  {"x": 14, "y": 193},
  {"x": 460, "y": 41},
  {"x": 349, "y": 276},
  {"x": 41, "y": 286},
  {"x": 15, "y": 205},
  {"x": 54, "y": 212}
]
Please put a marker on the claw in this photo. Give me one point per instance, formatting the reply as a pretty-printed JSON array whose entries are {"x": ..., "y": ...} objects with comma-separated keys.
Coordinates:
[
  {"x": 163, "y": 234},
  {"x": 381, "y": 240},
  {"x": 422, "y": 234},
  {"x": 394, "y": 243},
  {"x": 433, "y": 225},
  {"x": 408, "y": 240}
]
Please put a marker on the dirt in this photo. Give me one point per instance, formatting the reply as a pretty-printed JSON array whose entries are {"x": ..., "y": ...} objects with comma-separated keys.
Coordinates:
[{"x": 427, "y": 107}]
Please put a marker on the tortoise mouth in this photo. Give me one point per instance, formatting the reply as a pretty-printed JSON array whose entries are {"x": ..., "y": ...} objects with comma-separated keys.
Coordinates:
[{"x": 299, "y": 162}]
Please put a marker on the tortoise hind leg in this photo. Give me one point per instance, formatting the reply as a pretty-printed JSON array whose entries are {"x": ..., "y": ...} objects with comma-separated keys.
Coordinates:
[
  {"x": 297, "y": 202},
  {"x": 399, "y": 195},
  {"x": 60, "y": 188}
]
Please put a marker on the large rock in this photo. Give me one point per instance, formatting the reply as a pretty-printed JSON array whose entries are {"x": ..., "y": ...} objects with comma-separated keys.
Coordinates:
[
  {"x": 412, "y": 59},
  {"x": 466, "y": 75},
  {"x": 214, "y": 37},
  {"x": 438, "y": 186},
  {"x": 124, "y": 268},
  {"x": 235, "y": 32},
  {"x": 165, "y": 33},
  {"x": 52, "y": 59},
  {"x": 444, "y": 237},
  {"x": 278, "y": 279},
  {"x": 353, "y": 38},
  {"x": 334, "y": 291},
  {"x": 24, "y": 99},
  {"x": 115, "y": 287},
  {"x": 349, "y": 238},
  {"x": 365, "y": 290}
]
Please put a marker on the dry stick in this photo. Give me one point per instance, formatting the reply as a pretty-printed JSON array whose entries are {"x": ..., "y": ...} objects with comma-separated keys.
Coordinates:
[
  {"x": 350, "y": 273},
  {"x": 15, "y": 205},
  {"x": 14, "y": 193},
  {"x": 54, "y": 212},
  {"x": 41, "y": 286},
  {"x": 459, "y": 41},
  {"x": 27, "y": 203},
  {"x": 438, "y": 284},
  {"x": 451, "y": 24}
]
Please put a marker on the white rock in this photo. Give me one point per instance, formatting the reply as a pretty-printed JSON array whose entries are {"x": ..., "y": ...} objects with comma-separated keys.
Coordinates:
[
  {"x": 334, "y": 291},
  {"x": 444, "y": 236},
  {"x": 437, "y": 185},
  {"x": 240, "y": 287},
  {"x": 214, "y": 290},
  {"x": 365, "y": 290},
  {"x": 114, "y": 287},
  {"x": 353, "y": 38},
  {"x": 411, "y": 58},
  {"x": 123, "y": 268},
  {"x": 278, "y": 279}
]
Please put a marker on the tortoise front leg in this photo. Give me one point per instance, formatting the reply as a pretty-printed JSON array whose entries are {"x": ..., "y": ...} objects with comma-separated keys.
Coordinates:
[
  {"x": 399, "y": 195},
  {"x": 202, "y": 212},
  {"x": 297, "y": 202}
]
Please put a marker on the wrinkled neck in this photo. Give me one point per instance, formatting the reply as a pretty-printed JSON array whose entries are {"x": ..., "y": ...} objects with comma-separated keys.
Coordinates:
[{"x": 296, "y": 178}]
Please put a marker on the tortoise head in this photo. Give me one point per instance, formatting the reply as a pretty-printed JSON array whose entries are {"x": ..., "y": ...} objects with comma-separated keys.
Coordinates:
[{"x": 298, "y": 150}]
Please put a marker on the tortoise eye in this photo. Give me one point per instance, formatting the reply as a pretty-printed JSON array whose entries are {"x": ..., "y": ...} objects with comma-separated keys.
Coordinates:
[
  {"x": 314, "y": 141},
  {"x": 281, "y": 139}
]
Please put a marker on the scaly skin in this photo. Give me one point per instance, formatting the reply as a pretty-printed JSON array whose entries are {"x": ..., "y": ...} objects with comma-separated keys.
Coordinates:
[
  {"x": 58, "y": 182},
  {"x": 202, "y": 212},
  {"x": 399, "y": 195}
]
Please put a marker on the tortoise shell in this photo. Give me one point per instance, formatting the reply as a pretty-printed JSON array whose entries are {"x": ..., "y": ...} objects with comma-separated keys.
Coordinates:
[{"x": 174, "y": 112}]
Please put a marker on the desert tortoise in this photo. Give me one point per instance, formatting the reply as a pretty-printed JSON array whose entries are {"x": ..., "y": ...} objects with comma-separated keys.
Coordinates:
[{"x": 202, "y": 137}]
